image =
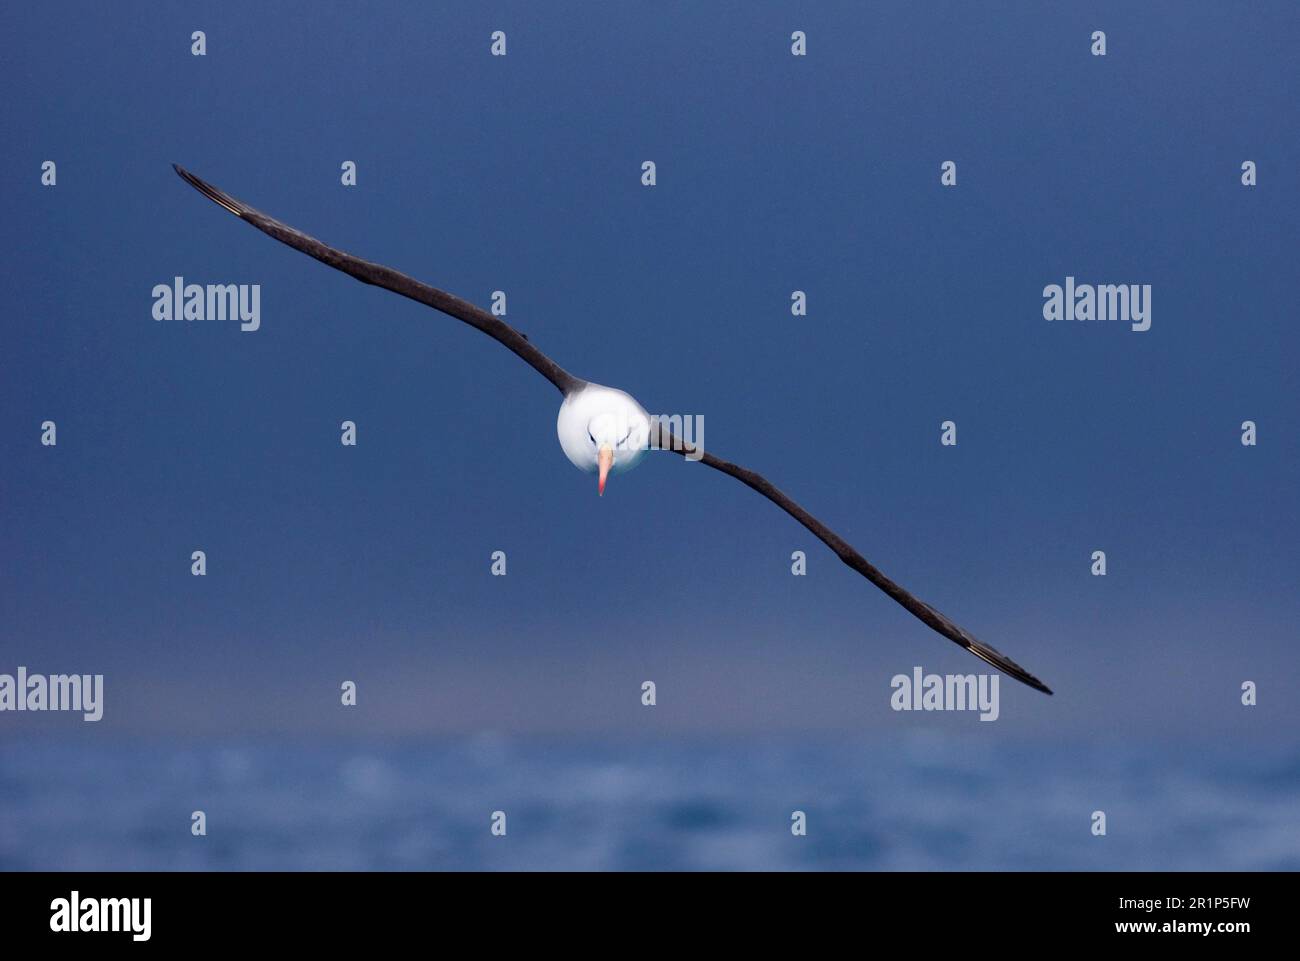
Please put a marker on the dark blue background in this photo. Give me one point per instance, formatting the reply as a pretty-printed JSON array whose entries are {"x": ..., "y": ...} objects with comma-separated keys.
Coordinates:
[{"x": 775, "y": 173}]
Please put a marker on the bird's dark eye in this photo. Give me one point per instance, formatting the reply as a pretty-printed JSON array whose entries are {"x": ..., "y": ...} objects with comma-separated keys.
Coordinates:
[{"x": 593, "y": 440}]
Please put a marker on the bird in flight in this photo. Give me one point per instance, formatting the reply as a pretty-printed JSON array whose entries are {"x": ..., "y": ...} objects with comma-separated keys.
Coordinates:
[{"x": 602, "y": 430}]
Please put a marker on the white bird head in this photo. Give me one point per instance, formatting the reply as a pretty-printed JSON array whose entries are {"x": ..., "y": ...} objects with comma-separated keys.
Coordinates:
[{"x": 602, "y": 431}]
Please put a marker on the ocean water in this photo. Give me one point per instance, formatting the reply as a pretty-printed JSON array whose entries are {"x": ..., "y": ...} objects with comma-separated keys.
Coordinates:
[{"x": 925, "y": 802}]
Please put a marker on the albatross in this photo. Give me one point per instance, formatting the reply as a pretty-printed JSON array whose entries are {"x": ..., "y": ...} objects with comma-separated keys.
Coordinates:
[{"x": 603, "y": 430}]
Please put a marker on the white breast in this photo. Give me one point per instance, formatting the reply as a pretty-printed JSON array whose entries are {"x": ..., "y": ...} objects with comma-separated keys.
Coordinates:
[{"x": 597, "y": 415}]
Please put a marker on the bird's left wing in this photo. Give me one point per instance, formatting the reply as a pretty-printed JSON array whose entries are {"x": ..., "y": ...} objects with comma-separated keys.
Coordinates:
[
  {"x": 393, "y": 280},
  {"x": 666, "y": 440}
]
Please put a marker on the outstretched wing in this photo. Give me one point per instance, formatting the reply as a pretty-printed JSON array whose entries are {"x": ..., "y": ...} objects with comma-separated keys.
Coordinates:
[
  {"x": 917, "y": 607},
  {"x": 393, "y": 280}
]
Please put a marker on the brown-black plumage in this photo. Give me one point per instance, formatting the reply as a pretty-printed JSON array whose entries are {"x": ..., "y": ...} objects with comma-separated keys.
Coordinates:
[
  {"x": 397, "y": 282},
  {"x": 845, "y": 552},
  {"x": 494, "y": 327}
]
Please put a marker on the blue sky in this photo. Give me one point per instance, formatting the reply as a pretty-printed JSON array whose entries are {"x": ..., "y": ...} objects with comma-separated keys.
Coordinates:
[{"x": 775, "y": 173}]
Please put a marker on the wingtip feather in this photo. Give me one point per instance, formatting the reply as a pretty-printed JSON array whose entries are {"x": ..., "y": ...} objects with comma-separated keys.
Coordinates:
[
  {"x": 1008, "y": 666},
  {"x": 209, "y": 191}
]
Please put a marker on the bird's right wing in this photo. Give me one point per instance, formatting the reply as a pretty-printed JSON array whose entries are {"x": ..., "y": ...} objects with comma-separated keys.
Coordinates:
[
  {"x": 390, "y": 279},
  {"x": 917, "y": 607}
]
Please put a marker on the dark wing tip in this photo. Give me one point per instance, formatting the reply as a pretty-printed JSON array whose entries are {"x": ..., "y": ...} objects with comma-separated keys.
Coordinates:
[
  {"x": 211, "y": 192},
  {"x": 977, "y": 647},
  {"x": 1004, "y": 664}
]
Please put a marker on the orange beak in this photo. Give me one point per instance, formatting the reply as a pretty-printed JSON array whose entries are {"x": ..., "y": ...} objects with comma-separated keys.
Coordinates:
[{"x": 606, "y": 460}]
